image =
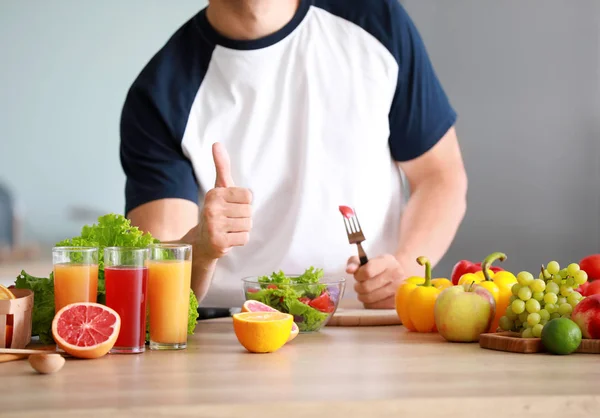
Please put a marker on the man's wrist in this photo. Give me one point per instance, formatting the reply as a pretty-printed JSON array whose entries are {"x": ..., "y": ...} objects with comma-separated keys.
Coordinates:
[
  {"x": 200, "y": 260},
  {"x": 409, "y": 264},
  {"x": 203, "y": 264}
]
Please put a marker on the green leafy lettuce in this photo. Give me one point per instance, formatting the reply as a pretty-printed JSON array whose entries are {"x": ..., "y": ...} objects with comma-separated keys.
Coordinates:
[
  {"x": 111, "y": 230},
  {"x": 43, "y": 304},
  {"x": 284, "y": 293}
]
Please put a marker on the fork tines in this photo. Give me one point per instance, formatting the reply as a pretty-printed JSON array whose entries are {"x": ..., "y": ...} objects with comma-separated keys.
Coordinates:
[{"x": 353, "y": 229}]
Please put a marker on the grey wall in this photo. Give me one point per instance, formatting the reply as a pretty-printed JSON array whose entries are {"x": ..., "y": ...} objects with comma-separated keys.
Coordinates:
[
  {"x": 65, "y": 68},
  {"x": 524, "y": 77}
]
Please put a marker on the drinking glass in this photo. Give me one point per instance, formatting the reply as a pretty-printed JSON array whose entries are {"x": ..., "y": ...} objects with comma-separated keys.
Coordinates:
[
  {"x": 126, "y": 279},
  {"x": 75, "y": 275},
  {"x": 169, "y": 281}
]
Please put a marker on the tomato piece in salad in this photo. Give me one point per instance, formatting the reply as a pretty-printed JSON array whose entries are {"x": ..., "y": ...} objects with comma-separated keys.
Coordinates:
[
  {"x": 323, "y": 303},
  {"x": 305, "y": 300}
]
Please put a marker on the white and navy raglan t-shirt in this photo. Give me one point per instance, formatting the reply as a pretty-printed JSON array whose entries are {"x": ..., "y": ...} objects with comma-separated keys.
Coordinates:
[{"x": 314, "y": 116}]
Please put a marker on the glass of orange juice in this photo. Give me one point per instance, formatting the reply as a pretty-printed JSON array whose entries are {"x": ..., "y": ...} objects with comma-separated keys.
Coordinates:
[
  {"x": 75, "y": 275},
  {"x": 169, "y": 282}
]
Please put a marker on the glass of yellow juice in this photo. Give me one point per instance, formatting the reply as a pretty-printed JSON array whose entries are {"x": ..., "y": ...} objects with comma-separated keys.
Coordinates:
[
  {"x": 169, "y": 286},
  {"x": 75, "y": 275}
]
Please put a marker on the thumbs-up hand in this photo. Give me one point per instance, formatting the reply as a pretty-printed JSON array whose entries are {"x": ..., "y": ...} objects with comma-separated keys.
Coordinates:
[{"x": 226, "y": 218}]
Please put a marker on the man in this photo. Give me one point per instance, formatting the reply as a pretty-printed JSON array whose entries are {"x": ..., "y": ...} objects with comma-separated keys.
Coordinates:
[{"x": 258, "y": 118}]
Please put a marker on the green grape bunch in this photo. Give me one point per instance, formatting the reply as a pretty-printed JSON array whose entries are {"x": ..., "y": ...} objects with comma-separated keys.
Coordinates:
[{"x": 534, "y": 302}]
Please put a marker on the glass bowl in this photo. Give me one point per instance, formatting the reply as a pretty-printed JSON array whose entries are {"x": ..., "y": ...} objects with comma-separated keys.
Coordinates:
[{"x": 311, "y": 304}]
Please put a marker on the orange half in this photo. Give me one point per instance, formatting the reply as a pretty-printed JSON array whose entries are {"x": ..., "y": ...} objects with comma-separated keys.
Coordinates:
[
  {"x": 6, "y": 294},
  {"x": 262, "y": 332},
  {"x": 256, "y": 306}
]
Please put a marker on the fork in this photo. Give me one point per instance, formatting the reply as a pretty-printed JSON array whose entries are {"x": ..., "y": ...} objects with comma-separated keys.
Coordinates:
[{"x": 354, "y": 232}]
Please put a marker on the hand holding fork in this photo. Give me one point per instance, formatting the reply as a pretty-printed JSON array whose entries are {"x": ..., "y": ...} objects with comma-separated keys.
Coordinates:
[{"x": 377, "y": 279}]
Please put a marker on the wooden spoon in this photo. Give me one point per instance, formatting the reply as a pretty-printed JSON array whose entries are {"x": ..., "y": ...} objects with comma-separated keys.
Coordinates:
[
  {"x": 42, "y": 361},
  {"x": 12, "y": 354},
  {"x": 46, "y": 363},
  {"x": 23, "y": 351},
  {"x": 12, "y": 357}
]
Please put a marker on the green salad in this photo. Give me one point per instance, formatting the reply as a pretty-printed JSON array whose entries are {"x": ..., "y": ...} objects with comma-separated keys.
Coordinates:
[{"x": 309, "y": 301}]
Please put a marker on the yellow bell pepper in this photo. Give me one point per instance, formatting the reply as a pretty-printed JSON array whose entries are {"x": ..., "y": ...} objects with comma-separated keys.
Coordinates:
[
  {"x": 470, "y": 278},
  {"x": 499, "y": 284},
  {"x": 415, "y": 299},
  {"x": 476, "y": 277},
  {"x": 402, "y": 301},
  {"x": 482, "y": 275}
]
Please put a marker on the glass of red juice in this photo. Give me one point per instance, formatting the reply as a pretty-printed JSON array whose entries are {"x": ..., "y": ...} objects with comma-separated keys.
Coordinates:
[{"x": 126, "y": 280}]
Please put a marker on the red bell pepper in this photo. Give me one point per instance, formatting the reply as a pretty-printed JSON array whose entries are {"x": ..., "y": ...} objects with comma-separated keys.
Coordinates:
[
  {"x": 591, "y": 265},
  {"x": 465, "y": 266}
]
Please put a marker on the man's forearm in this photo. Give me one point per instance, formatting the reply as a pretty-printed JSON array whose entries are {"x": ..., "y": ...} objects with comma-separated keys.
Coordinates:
[
  {"x": 202, "y": 273},
  {"x": 202, "y": 268},
  {"x": 430, "y": 221}
]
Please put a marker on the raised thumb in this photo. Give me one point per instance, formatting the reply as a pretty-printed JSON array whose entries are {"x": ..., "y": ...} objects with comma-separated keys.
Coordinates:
[{"x": 222, "y": 166}]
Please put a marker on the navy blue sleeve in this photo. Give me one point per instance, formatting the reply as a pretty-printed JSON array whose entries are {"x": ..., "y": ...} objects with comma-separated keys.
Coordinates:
[
  {"x": 420, "y": 113},
  {"x": 154, "y": 118},
  {"x": 152, "y": 158}
]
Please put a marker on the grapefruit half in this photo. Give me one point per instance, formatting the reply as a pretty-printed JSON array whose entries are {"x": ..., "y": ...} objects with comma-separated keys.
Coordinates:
[
  {"x": 256, "y": 306},
  {"x": 86, "y": 330}
]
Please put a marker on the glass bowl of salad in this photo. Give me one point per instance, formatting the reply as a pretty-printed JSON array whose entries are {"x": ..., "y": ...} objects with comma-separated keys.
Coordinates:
[{"x": 311, "y": 298}]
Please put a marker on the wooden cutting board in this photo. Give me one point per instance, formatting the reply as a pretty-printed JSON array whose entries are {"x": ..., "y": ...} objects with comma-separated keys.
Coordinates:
[
  {"x": 364, "y": 318},
  {"x": 509, "y": 341}
]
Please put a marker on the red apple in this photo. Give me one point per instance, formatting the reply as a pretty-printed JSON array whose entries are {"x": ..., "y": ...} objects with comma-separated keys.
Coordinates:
[
  {"x": 587, "y": 316},
  {"x": 591, "y": 265}
]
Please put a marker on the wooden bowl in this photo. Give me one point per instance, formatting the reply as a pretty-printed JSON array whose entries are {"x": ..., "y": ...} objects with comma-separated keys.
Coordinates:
[{"x": 15, "y": 319}]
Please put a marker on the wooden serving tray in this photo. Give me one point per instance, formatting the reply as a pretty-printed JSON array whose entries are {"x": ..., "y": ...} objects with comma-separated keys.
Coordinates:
[{"x": 510, "y": 341}]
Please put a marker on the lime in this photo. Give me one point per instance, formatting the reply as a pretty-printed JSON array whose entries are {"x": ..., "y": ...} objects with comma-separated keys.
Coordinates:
[{"x": 561, "y": 336}]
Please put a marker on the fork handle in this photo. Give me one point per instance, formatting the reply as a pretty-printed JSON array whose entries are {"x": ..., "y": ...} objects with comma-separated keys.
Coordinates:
[{"x": 362, "y": 255}]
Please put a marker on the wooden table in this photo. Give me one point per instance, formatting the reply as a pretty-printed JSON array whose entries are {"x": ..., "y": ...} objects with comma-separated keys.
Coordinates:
[{"x": 339, "y": 372}]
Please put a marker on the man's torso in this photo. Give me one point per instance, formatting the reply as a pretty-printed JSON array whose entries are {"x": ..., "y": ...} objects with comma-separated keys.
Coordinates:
[{"x": 305, "y": 116}]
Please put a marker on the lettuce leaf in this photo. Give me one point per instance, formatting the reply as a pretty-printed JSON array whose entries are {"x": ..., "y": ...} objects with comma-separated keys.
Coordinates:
[
  {"x": 111, "y": 230},
  {"x": 43, "y": 304},
  {"x": 312, "y": 318},
  {"x": 192, "y": 313},
  {"x": 307, "y": 284}
]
